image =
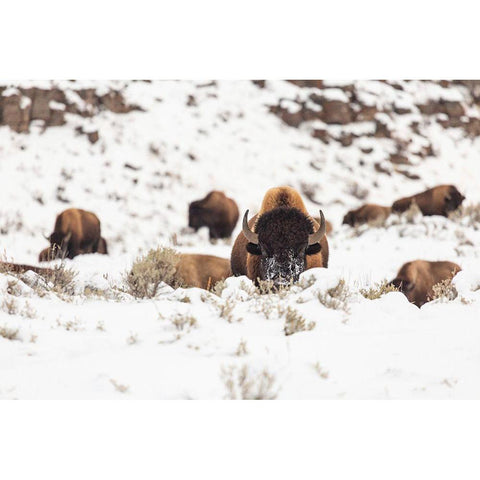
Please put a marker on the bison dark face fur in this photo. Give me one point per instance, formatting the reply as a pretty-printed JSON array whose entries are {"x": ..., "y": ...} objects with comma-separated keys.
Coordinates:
[
  {"x": 59, "y": 244},
  {"x": 453, "y": 200},
  {"x": 283, "y": 238}
]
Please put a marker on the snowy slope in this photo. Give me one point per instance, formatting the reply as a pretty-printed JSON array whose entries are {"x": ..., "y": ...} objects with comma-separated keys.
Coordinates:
[{"x": 139, "y": 178}]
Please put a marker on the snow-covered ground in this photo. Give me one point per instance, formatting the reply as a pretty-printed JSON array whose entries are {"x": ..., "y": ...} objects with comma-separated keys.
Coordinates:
[{"x": 139, "y": 178}]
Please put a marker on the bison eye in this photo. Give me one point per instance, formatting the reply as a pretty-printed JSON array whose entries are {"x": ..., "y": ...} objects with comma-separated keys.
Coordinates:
[
  {"x": 254, "y": 249},
  {"x": 313, "y": 249}
]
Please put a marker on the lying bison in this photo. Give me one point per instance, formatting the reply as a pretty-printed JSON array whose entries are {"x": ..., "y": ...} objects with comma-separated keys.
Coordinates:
[
  {"x": 202, "y": 271},
  {"x": 217, "y": 212},
  {"x": 370, "y": 212},
  {"x": 435, "y": 201},
  {"x": 281, "y": 241},
  {"x": 416, "y": 279},
  {"x": 76, "y": 232}
]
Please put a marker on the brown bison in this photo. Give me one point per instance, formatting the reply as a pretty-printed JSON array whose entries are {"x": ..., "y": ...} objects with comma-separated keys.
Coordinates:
[
  {"x": 76, "y": 232},
  {"x": 217, "y": 212},
  {"x": 281, "y": 241},
  {"x": 435, "y": 201},
  {"x": 416, "y": 279},
  {"x": 366, "y": 214},
  {"x": 202, "y": 271}
]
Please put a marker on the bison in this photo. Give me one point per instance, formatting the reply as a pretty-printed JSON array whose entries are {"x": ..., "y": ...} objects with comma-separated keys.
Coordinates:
[
  {"x": 202, "y": 271},
  {"x": 281, "y": 241},
  {"x": 217, "y": 212},
  {"x": 367, "y": 213},
  {"x": 435, "y": 201},
  {"x": 76, "y": 232},
  {"x": 416, "y": 279}
]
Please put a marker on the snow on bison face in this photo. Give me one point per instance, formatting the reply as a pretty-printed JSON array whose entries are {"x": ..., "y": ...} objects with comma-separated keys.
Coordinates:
[{"x": 283, "y": 238}]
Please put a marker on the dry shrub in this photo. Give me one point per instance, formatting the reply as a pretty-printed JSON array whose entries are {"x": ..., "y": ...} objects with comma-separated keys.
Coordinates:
[
  {"x": 295, "y": 322},
  {"x": 379, "y": 289},
  {"x": 321, "y": 371},
  {"x": 412, "y": 213},
  {"x": 336, "y": 297},
  {"x": 241, "y": 384},
  {"x": 226, "y": 310},
  {"x": 119, "y": 387},
  {"x": 444, "y": 290},
  {"x": 267, "y": 287},
  {"x": 9, "y": 333},
  {"x": 218, "y": 288},
  {"x": 180, "y": 321},
  {"x": 242, "y": 348},
  {"x": 60, "y": 278},
  {"x": 467, "y": 214},
  {"x": 10, "y": 306},
  {"x": 149, "y": 271}
]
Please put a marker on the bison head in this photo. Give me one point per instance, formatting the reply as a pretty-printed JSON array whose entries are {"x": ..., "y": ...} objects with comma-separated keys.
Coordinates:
[
  {"x": 197, "y": 215},
  {"x": 283, "y": 238},
  {"x": 59, "y": 244},
  {"x": 453, "y": 200}
]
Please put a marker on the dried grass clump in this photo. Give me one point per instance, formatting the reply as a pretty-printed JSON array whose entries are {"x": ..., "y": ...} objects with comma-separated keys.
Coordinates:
[
  {"x": 9, "y": 333},
  {"x": 149, "y": 271},
  {"x": 379, "y": 289},
  {"x": 241, "y": 384},
  {"x": 241, "y": 348},
  {"x": 218, "y": 288},
  {"x": 10, "y": 306},
  {"x": 336, "y": 297},
  {"x": 470, "y": 214},
  {"x": 226, "y": 310},
  {"x": 295, "y": 322},
  {"x": 267, "y": 287},
  {"x": 180, "y": 321},
  {"x": 412, "y": 213},
  {"x": 444, "y": 290},
  {"x": 60, "y": 278}
]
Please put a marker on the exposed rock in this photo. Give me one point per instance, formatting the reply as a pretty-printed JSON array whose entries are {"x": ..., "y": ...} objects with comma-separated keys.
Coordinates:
[
  {"x": 336, "y": 112},
  {"x": 307, "y": 83},
  {"x": 18, "y": 107},
  {"x": 399, "y": 159},
  {"x": 322, "y": 135}
]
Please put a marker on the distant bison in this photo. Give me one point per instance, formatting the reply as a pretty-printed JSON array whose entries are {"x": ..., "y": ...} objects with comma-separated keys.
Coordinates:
[
  {"x": 217, "y": 212},
  {"x": 281, "y": 241},
  {"x": 366, "y": 214},
  {"x": 435, "y": 201},
  {"x": 202, "y": 271},
  {"x": 76, "y": 232},
  {"x": 416, "y": 279}
]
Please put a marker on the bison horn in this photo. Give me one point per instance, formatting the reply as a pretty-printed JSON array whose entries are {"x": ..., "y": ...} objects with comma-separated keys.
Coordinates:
[
  {"x": 46, "y": 237},
  {"x": 318, "y": 235},
  {"x": 252, "y": 237}
]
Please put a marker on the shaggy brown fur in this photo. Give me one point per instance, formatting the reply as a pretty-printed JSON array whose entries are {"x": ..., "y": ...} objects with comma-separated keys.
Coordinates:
[
  {"x": 20, "y": 268},
  {"x": 202, "y": 271},
  {"x": 282, "y": 223},
  {"x": 370, "y": 212},
  {"x": 416, "y": 279},
  {"x": 76, "y": 232},
  {"x": 217, "y": 212},
  {"x": 435, "y": 201}
]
